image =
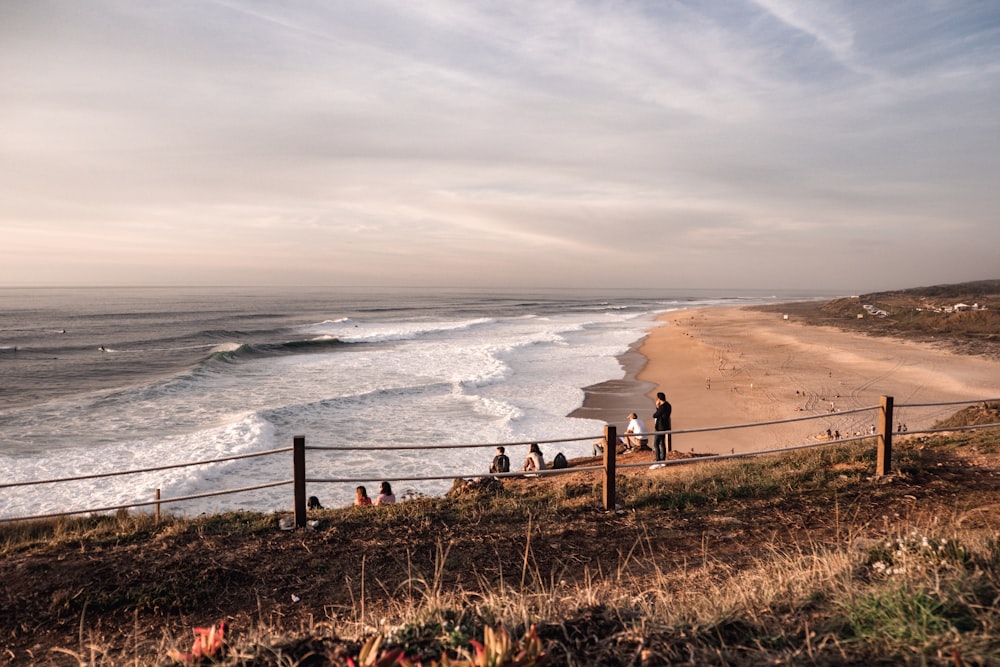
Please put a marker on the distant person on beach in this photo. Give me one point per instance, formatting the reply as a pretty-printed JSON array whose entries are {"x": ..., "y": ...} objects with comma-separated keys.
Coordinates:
[
  {"x": 314, "y": 503},
  {"x": 534, "y": 460},
  {"x": 385, "y": 495},
  {"x": 635, "y": 442},
  {"x": 361, "y": 496},
  {"x": 662, "y": 442},
  {"x": 501, "y": 463}
]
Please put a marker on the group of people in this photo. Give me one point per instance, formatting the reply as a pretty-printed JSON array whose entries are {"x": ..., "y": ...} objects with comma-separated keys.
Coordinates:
[
  {"x": 385, "y": 495},
  {"x": 635, "y": 440},
  {"x": 534, "y": 461}
]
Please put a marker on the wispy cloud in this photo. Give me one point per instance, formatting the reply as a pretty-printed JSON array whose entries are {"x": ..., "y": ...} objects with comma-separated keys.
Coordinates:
[{"x": 499, "y": 143}]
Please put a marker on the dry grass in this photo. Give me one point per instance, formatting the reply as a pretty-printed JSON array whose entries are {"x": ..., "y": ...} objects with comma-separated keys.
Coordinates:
[{"x": 798, "y": 559}]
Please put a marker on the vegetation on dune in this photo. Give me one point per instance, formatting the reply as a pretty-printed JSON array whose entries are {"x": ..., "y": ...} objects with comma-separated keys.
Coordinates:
[
  {"x": 802, "y": 558},
  {"x": 923, "y": 313}
]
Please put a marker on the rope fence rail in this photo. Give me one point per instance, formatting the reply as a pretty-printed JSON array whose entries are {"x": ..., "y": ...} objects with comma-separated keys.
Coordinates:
[
  {"x": 137, "y": 471},
  {"x": 883, "y": 433}
]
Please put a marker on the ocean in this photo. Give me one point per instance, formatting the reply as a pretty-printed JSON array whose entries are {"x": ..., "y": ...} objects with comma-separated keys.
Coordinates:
[{"x": 97, "y": 380}]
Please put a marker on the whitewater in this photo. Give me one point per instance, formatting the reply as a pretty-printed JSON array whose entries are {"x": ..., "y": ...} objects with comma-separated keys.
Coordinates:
[{"x": 106, "y": 380}]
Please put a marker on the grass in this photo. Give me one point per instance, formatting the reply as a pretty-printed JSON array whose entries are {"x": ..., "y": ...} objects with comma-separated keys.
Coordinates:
[{"x": 796, "y": 559}]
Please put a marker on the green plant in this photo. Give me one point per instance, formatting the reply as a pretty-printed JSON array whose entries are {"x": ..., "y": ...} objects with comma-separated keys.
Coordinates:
[{"x": 899, "y": 616}]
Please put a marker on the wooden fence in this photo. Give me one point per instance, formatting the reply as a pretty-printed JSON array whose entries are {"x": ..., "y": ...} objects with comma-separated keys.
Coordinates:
[{"x": 608, "y": 467}]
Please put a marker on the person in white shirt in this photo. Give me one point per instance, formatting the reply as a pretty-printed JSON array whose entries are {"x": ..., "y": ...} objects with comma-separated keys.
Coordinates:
[
  {"x": 635, "y": 442},
  {"x": 534, "y": 460},
  {"x": 385, "y": 495}
]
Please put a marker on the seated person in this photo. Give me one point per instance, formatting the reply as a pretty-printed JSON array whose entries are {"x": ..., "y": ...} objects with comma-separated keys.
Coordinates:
[
  {"x": 598, "y": 447},
  {"x": 500, "y": 462},
  {"x": 534, "y": 461},
  {"x": 635, "y": 442},
  {"x": 385, "y": 495}
]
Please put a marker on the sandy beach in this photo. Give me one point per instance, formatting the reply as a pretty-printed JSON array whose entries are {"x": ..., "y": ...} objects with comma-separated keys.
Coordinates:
[{"x": 724, "y": 366}]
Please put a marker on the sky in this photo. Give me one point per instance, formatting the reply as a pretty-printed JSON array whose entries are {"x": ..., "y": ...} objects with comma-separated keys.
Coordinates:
[{"x": 766, "y": 144}]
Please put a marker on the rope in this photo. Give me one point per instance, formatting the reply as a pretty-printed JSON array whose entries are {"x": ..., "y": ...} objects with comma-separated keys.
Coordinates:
[
  {"x": 969, "y": 427},
  {"x": 351, "y": 448},
  {"x": 721, "y": 457},
  {"x": 538, "y": 473},
  {"x": 532, "y": 473},
  {"x": 929, "y": 405},
  {"x": 178, "y": 499},
  {"x": 141, "y": 470}
]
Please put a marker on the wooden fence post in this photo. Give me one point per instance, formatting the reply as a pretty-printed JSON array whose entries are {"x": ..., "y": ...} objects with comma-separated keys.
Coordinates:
[
  {"x": 299, "y": 479},
  {"x": 610, "y": 450},
  {"x": 883, "y": 464}
]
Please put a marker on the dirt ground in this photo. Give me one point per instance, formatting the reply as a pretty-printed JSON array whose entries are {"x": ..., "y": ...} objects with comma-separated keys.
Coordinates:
[{"x": 124, "y": 594}]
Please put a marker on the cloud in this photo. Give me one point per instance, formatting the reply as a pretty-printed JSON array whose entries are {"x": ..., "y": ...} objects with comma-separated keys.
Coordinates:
[{"x": 496, "y": 143}]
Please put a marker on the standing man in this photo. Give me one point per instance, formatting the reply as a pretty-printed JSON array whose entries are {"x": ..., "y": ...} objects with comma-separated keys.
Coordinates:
[{"x": 662, "y": 442}]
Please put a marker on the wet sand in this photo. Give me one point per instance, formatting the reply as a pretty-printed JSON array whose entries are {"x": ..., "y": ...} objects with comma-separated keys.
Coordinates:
[
  {"x": 724, "y": 366},
  {"x": 612, "y": 401}
]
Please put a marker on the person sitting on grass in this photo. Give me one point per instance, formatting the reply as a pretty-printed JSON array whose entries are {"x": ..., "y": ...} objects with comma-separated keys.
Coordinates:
[
  {"x": 534, "y": 460},
  {"x": 598, "y": 446},
  {"x": 501, "y": 463},
  {"x": 361, "y": 496},
  {"x": 385, "y": 495}
]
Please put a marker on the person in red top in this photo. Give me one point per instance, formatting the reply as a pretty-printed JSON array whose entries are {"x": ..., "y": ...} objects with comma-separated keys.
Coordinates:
[{"x": 361, "y": 496}]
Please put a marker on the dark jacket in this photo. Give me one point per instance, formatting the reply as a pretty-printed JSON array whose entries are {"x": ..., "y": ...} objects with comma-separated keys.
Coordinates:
[
  {"x": 662, "y": 417},
  {"x": 500, "y": 463}
]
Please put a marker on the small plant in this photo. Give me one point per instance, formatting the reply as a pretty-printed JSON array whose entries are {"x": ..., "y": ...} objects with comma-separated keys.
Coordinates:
[
  {"x": 496, "y": 650},
  {"x": 499, "y": 650},
  {"x": 208, "y": 643},
  {"x": 899, "y": 616},
  {"x": 915, "y": 550}
]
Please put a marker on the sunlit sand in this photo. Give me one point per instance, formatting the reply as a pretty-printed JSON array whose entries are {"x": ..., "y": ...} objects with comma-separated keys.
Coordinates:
[{"x": 723, "y": 366}]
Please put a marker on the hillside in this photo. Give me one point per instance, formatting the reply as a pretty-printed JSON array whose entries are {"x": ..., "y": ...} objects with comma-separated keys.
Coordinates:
[
  {"x": 747, "y": 562},
  {"x": 804, "y": 558},
  {"x": 925, "y": 314}
]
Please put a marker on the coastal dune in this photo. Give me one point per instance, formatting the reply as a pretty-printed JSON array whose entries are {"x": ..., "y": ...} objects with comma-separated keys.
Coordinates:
[{"x": 726, "y": 366}]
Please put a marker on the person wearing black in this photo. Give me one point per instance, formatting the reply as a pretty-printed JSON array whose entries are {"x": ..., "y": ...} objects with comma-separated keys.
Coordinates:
[
  {"x": 662, "y": 442},
  {"x": 500, "y": 462}
]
